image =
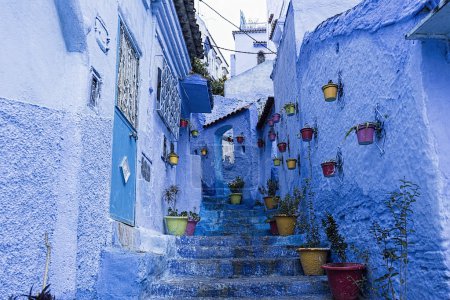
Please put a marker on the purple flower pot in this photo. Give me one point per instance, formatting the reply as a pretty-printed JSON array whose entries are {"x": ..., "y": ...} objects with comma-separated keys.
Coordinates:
[
  {"x": 270, "y": 122},
  {"x": 190, "y": 228},
  {"x": 272, "y": 136},
  {"x": 276, "y": 117},
  {"x": 365, "y": 133}
]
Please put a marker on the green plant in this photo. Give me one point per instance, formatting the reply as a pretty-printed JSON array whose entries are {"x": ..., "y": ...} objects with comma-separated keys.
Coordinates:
[
  {"x": 194, "y": 216},
  {"x": 217, "y": 86},
  {"x": 337, "y": 241},
  {"x": 170, "y": 195},
  {"x": 237, "y": 185},
  {"x": 262, "y": 190},
  {"x": 289, "y": 205},
  {"x": 394, "y": 240},
  {"x": 308, "y": 220},
  {"x": 272, "y": 187},
  {"x": 45, "y": 294}
]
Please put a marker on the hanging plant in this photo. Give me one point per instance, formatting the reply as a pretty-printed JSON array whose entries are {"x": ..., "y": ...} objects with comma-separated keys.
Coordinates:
[
  {"x": 276, "y": 117},
  {"x": 173, "y": 158},
  {"x": 291, "y": 163},
  {"x": 330, "y": 91},
  {"x": 307, "y": 133},
  {"x": 272, "y": 136},
  {"x": 329, "y": 168},
  {"x": 282, "y": 147},
  {"x": 289, "y": 108},
  {"x": 277, "y": 161},
  {"x": 260, "y": 143},
  {"x": 184, "y": 123},
  {"x": 240, "y": 138},
  {"x": 364, "y": 132},
  {"x": 194, "y": 133}
]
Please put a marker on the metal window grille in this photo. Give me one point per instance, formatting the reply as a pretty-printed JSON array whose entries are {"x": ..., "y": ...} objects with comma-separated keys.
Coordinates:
[
  {"x": 94, "y": 89},
  {"x": 128, "y": 79},
  {"x": 169, "y": 100}
]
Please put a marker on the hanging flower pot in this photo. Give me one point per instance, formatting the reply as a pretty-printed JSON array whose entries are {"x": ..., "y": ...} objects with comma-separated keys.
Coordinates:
[
  {"x": 194, "y": 133},
  {"x": 240, "y": 139},
  {"x": 344, "y": 279},
  {"x": 282, "y": 147},
  {"x": 277, "y": 162},
  {"x": 329, "y": 168},
  {"x": 365, "y": 133},
  {"x": 330, "y": 91},
  {"x": 184, "y": 123},
  {"x": 307, "y": 134},
  {"x": 173, "y": 158},
  {"x": 204, "y": 151},
  {"x": 276, "y": 117},
  {"x": 260, "y": 143},
  {"x": 291, "y": 163},
  {"x": 270, "y": 122},
  {"x": 289, "y": 108},
  {"x": 272, "y": 136}
]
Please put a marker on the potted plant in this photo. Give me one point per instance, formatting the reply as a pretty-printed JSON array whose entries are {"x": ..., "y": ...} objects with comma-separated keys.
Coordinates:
[
  {"x": 270, "y": 122},
  {"x": 330, "y": 91},
  {"x": 364, "y": 132},
  {"x": 271, "y": 201},
  {"x": 184, "y": 123},
  {"x": 272, "y": 135},
  {"x": 282, "y": 147},
  {"x": 290, "y": 108},
  {"x": 329, "y": 168},
  {"x": 194, "y": 133},
  {"x": 307, "y": 133},
  {"x": 276, "y": 117},
  {"x": 175, "y": 223},
  {"x": 173, "y": 158},
  {"x": 277, "y": 161},
  {"x": 193, "y": 219},
  {"x": 240, "y": 138},
  {"x": 344, "y": 278},
  {"x": 204, "y": 151},
  {"x": 286, "y": 216},
  {"x": 273, "y": 225},
  {"x": 291, "y": 163},
  {"x": 260, "y": 143},
  {"x": 312, "y": 255},
  {"x": 236, "y": 187}
]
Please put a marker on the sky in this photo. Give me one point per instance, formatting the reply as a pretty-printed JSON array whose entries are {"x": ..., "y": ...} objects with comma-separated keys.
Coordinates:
[{"x": 220, "y": 30}]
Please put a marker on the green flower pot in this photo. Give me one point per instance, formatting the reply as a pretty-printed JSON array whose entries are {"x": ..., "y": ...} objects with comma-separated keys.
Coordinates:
[
  {"x": 176, "y": 225},
  {"x": 290, "y": 109},
  {"x": 236, "y": 198}
]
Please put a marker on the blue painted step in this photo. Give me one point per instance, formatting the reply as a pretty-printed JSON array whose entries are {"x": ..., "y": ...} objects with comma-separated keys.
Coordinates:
[
  {"x": 202, "y": 252},
  {"x": 233, "y": 241},
  {"x": 298, "y": 297}
]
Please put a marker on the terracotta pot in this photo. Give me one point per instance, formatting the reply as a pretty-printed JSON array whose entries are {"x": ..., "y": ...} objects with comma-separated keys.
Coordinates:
[
  {"x": 260, "y": 143},
  {"x": 330, "y": 91},
  {"x": 270, "y": 202},
  {"x": 286, "y": 224},
  {"x": 194, "y": 133},
  {"x": 236, "y": 198},
  {"x": 190, "y": 228},
  {"x": 282, "y": 147},
  {"x": 184, "y": 123},
  {"x": 277, "y": 162},
  {"x": 365, "y": 133},
  {"x": 173, "y": 159},
  {"x": 291, "y": 163},
  {"x": 204, "y": 151},
  {"x": 290, "y": 109},
  {"x": 273, "y": 227},
  {"x": 176, "y": 225},
  {"x": 240, "y": 139},
  {"x": 343, "y": 279},
  {"x": 313, "y": 259},
  {"x": 329, "y": 168},
  {"x": 272, "y": 136},
  {"x": 270, "y": 122},
  {"x": 276, "y": 117},
  {"x": 307, "y": 134}
]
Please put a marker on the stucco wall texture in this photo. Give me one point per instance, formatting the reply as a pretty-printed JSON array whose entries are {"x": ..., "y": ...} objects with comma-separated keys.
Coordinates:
[{"x": 366, "y": 45}]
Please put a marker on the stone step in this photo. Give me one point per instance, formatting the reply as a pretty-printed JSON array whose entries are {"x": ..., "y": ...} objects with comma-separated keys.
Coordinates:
[
  {"x": 250, "y": 287},
  {"x": 255, "y": 233},
  {"x": 235, "y": 267},
  {"x": 261, "y": 251},
  {"x": 310, "y": 297},
  {"x": 233, "y": 220},
  {"x": 230, "y": 214},
  {"x": 233, "y": 241},
  {"x": 227, "y": 206},
  {"x": 234, "y": 227}
]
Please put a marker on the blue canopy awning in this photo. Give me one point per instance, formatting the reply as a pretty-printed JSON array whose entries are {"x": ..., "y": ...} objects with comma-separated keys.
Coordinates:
[{"x": 197, "y": 94}]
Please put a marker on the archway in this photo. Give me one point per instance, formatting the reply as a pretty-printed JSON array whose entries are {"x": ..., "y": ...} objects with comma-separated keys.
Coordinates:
[{"x": 224, "y": 153}]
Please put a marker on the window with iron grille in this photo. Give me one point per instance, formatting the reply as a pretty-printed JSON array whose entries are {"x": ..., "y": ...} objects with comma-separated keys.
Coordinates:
[
  {"x": 168, "y": 100},
  {"x": 94, "y": 88},
  {"x": 128, "y": 78}
]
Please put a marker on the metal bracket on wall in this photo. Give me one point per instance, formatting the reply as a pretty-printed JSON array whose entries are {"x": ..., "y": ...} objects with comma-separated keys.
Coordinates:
[
  {"x": 315, "y": 134},
  {"x": 380, "y": 135},
  {"x": 340, "y": 165},
  {"x": 340, "y": 95}
]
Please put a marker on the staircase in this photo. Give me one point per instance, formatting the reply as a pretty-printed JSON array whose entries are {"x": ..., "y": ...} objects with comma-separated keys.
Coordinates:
[{"x": 233, "y": 255}]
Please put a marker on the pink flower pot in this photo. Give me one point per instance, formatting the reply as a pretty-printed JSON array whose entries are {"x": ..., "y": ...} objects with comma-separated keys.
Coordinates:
[
  {"x": 365, "y": 133},
  {"x": 276, "y": 117},
  {"x": 343, "y": 279},
  {"x": 240, "y": 139},
  {"x": 184, "y": 123},
  {"x": 282, "y": 147},
  {"x": 273, "y": 227},
  {"x": 272, "y": 136},
  {"x": 307, "y": 134},
  {"x": 328, "y": 169},
  {"x": 270, "y": 122},
  {"x": 190, "y": 228}
]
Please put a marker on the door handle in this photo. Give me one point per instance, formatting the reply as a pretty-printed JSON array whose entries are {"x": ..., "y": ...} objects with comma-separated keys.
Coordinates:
[{"x": 133, "y": 135}]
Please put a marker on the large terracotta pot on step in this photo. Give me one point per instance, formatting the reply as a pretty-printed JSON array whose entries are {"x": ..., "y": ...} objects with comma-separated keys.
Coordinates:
[
  {"x": 270, "y": 202},
  {"x": 313, "y": 259},
  {"x": 344, "y": 278},
  {"x": 286, "y": 224}
]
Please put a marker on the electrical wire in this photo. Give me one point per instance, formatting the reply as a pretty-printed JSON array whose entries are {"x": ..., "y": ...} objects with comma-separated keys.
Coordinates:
[
  {"x": 237, "y": 51},
  {"x": 245, "y": 32}
]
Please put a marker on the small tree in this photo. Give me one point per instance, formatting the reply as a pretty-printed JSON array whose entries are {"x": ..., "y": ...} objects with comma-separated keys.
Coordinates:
[
  {"x": 289, "y": 205},
  {"x": 337, "y": 241},
  {"x": 272, "y": 187},
  {"x": 237, "y": 185}
]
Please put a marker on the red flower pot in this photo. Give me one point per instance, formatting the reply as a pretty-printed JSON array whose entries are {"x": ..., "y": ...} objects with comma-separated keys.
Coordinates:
[
  {"x": 272, "y": 136},
  {"x": 273, "y": 227},
  {"x": 343, "y": 279},
  {"x": 276, "y": 117},
  {"x": 329, "y": 168},
  {"x": 365, "y": 133},
  {"x": 282, "y": 147},
  {"x": 270, "y": 122},
  {"x": 184, "y": 123},
  {"x": 307, "y": 134},
  {"x": 240, "y": 139},
  {"x": 190, "y": 228},
  {"x": 260, "y": 143}
]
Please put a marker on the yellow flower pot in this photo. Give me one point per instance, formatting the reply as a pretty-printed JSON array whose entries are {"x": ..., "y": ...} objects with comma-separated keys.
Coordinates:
[
  {"x": 176, "y": 225},
  {"x": 291, "y": 163},
  {"x": 270, "y": 202},
  {"x": 290, "y": 109},
  {"x": 330, "y": 91},
  {"x": 194, "y": 133},
  {"x": 236, "y": 198},
  {"x": 204, "y": 152},
  {"x": 313, "y": 259},
  {"x": 277, "y": 162},
  {"x": 173, "y": 159},
  {"x": 286, "y": 224}
]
